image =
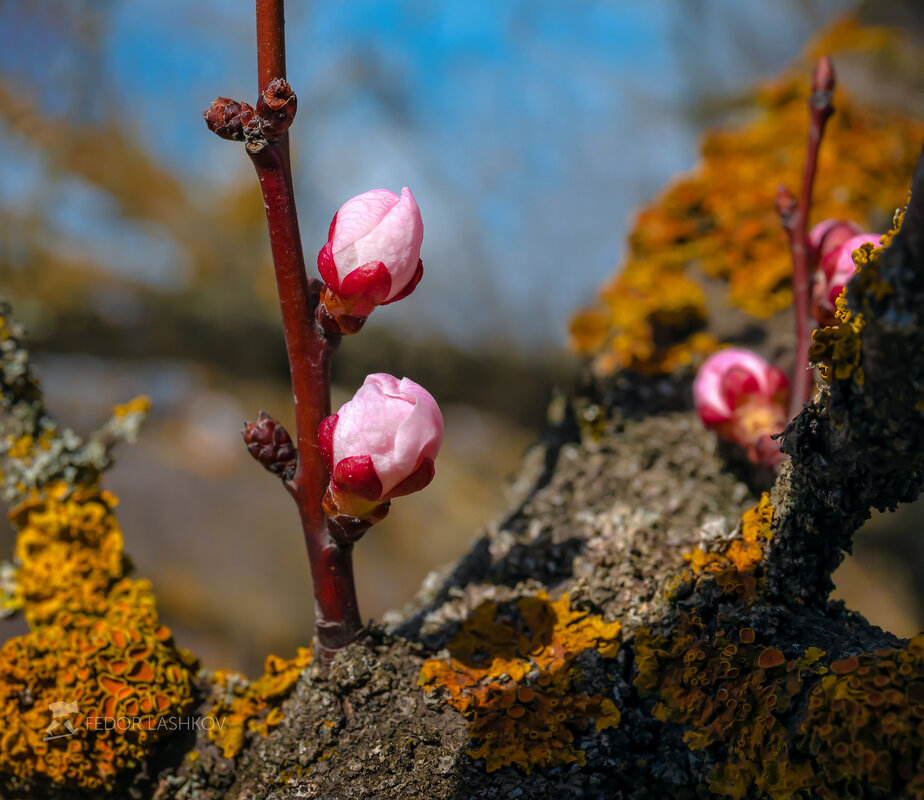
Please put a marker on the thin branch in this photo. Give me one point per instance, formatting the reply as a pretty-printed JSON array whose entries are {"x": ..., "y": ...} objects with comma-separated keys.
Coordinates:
[
  {"x": 271, "y": 41},
  {"x": 309, "y": 350},
  {"x": 796, "y": 225}
]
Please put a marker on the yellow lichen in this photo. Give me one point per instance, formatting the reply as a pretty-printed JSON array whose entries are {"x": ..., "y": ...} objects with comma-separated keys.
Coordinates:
[
  {"x": 836, "y": 349},
  {"x": 720, "y": 221},
  {"x": 137, "y": 405},
  {"x": 865, "y": 724},
  {"x": 98, "y": 673},
  {"x": 728, "y": 688},
  {"x": 69, "y": 551},
  {"x": 98, "y": 678},
  {"x": 21, "y": 448},
  {"x": 513, "y": 679},
  {"x": 253, "y": 706},
  {"x": 736, "y": 565}
]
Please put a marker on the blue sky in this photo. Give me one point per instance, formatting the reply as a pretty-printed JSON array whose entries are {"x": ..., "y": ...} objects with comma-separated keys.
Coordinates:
[{"x": 528, "y": 131}]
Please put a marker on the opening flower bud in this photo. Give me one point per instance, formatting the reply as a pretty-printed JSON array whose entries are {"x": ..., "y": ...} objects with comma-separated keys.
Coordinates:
[
  {"x": 827, "y": 236},
  {"x": 743, "y": 398},
  {"x": 379, "y": 445},
  {"x": 837, "y": 268},
  {"x": 372, "y": 255}
]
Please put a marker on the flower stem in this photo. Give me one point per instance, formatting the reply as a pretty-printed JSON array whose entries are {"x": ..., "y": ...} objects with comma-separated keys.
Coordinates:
[{"x": 309, "y": 350}]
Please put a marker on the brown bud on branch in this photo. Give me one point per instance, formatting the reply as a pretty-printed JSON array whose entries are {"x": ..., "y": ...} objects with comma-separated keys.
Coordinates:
[
  {"x": 276, "y": 107},
  {"x": 227, "y": 118},
  {"x": 823, "y": 75},
  {"x": 823, "y": 86},
  {"x": 270, "y": 444},
  {"x": 786, "y": 206}
]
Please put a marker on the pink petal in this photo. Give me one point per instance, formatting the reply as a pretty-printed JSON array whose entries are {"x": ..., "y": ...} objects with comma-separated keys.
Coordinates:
[
  {"x": 421, "y": 433},
  {"x": 828, "y": 235},
  {"x": 367, "y": 426},
  {"x": 418, "y": 274},
  {"x": 356, "y": 218},
  {"x": 394, "y": 239},
  {"x": 842, "y": 264}
]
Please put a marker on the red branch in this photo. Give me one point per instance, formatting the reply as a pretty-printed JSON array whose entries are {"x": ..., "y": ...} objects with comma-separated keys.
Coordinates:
[
  {"x": 796, "y": 224},
  {"x": 309, "y": 350},
  {"x": 271, "y": 41}
]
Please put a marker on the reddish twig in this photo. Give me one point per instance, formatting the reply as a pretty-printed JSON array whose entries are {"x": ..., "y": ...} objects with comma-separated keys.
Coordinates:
[
  {"x": 309, "y": 348},
  {"x": 795, "y": 220},
  {"x": 271, "y": 41}
]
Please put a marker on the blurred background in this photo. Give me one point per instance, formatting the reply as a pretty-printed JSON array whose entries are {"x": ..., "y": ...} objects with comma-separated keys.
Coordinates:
[{"x": 133, "y": 245}]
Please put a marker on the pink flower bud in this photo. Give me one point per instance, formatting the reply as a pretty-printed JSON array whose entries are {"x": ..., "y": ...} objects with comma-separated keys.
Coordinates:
[
  {"x": 380, "y": 445},
  {"x": 827, "y": 236},
  {"x": 743, "y": 398},
  {"x": 372, "y": 255},
  {"x": 837, "y": 268}
]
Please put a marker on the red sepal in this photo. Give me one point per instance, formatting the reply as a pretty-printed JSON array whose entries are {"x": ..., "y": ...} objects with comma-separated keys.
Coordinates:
[
  {"x": 370, "y": 283},
  {"x": 412, "y": 284},
  {"x": 326, "y": 440},
  {"x": 326, "y": 267},
  {"x": 356, "y": 475},
  {"x": 416, "y": 481}
]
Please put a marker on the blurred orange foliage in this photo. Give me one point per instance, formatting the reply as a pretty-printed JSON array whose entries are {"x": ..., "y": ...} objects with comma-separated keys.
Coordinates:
[{"x": 719, "y": 223}]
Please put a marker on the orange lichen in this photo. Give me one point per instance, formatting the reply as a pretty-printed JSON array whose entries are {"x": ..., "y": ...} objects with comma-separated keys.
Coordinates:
[
  {"x": 720, "y": 221},
  {"x": 97, "y": 679},
  {"x": 728, "y": 689},
  {"x": 736, "y": 566},
  {"x": 865, "y": 725},
  {"x": 253, "y": 706},
  {"x": 513, "y": 678},
  {"x": 97, "y": 672}
]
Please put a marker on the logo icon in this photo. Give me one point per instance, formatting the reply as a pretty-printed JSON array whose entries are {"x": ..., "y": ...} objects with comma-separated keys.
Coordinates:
[{"x": 60, "y": 712}]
